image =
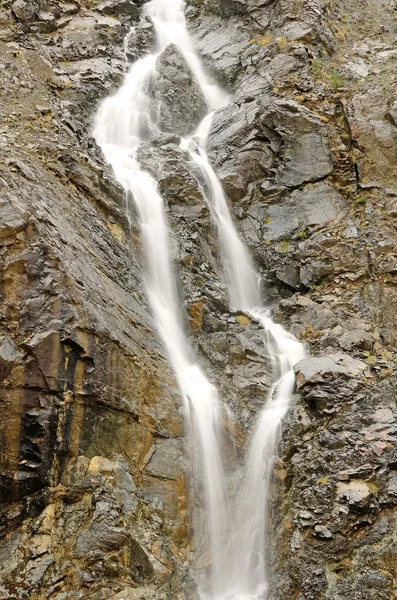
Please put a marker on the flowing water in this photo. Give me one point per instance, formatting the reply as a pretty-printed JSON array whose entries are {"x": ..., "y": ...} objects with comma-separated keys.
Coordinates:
[{"x": 238, "y": 554}]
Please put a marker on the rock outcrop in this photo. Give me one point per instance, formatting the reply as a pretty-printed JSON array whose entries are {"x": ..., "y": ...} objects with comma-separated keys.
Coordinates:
[
  {"x": 305, "y": 154},
  {"x": 88, "y": 406},
  {"x": 178, "y": 102},
  {"x": 92, "y": 485}
]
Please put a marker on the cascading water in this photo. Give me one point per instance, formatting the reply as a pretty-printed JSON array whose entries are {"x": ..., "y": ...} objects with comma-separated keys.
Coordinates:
[
  {"x": 238, "y": 558},
  {"x": 246, "y": 562},
  {"x": 122, "y": 123}
]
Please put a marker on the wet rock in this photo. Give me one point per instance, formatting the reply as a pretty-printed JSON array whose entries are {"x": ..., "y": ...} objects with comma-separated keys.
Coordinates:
[
  {"x": 314, "y": 370},
  {"x": 221, "y": 45},
  {"x": 309, "y": 160},
  {"x": 84, "y": 362},
  {"x": 25, "y": 11},
  {"x": 240, "y": 157},
  {"x": 165, "y": 459},
  {"x": 322, "y": 532},
  {"x": 228, "y": 8},
  {"x": 356, "y": 493},
  {"x": 179, "y": 103},
  {"x": 140, "y": 40},
  {"x": 316, "y": 204},
  {"x": 125, "y": 9},
  {"x": 177, "y": 177},
  {"x": 252, "y": 141}
]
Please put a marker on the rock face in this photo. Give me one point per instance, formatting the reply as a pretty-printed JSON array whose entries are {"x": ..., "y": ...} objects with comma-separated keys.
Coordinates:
[
  {"x": 140, "y": 40},
  {"x": 92, "y": 462},
  {"x": 88, "y": 403},
  {"x": 179, "y": 104}
]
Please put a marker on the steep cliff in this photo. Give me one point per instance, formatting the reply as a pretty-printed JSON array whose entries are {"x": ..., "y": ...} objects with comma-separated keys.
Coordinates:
[
  {"x": 92, "y": 484},
  {"x": 93, "y": 492}
]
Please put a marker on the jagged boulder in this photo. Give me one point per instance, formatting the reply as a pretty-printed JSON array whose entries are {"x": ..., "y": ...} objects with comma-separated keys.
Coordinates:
[
  {"x": 178, "y": 102},
  {"x": 124, "y": 9}
]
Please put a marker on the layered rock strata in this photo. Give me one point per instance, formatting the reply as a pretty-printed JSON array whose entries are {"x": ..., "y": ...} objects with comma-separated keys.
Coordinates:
[{"x": 93, "y": 492}]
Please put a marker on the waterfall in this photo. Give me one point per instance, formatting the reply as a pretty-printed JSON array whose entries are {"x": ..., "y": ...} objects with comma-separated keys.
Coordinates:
[
  {"x": 238, "y": 558},
  {"x": 245, "y": 567}
]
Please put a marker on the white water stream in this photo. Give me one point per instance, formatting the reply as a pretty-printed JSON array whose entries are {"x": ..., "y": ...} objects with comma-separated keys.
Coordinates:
[{"x": 238, "y": 558}]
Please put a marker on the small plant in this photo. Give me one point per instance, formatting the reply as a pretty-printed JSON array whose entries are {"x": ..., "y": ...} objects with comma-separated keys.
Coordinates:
[
  {"x": 337, "y": 80},
  {"x": 317, "y": 68},
  {"x": 282, "y": 43},
  {"x": 302, "y": 235},
  {"x": 309, "y": 333},
  {"x": 262, "y": 40},
  {"x": 283, "y": 246},
  {"x": 360, "y": 200},
  {"x": 371, "y": 359}
]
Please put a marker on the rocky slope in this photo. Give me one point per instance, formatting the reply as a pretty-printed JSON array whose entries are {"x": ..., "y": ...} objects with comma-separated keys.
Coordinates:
[{"x": 93, "y": 491}]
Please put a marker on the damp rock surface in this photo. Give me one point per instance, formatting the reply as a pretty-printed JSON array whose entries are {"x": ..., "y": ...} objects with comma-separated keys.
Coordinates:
[
  {"x": 93, "y": 493},
  {"x": 179, "y": 103}
]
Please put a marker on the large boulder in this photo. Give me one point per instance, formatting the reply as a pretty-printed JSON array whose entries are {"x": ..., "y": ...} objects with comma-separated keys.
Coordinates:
[{"x": 178, "y": 102}]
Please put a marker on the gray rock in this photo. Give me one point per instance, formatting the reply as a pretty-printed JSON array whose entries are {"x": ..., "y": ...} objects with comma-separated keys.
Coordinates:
[
  {"x": 297, "y": 31},
  {"x": 178, "y": 102},
  {"x": 9, "y": 353},
  {"x": 322, "y": 532},
  {"x": 141, "y": 567},
  {"x": 103, "y": 535},
  {"x": 318, "y": 369},
  {"x": 228, "y": 8},
  {"x": 238, "y": 147},
  {"x": 391, "y": 114},
  {"x": 125, "y": 9},
  {"x": 221, "y": 45},
  {"x": 13, "y": 215},
  {"x": 308, "y": 159},
  {"x": 140, "y": 40},
  {"x": 357, "y": 493},
  {"x": 253, "y": 140},
  {"x": 313, "y": 272},
  {"x": 177, "y": 177},
  {"x": 289, "y": 275},
  {"x": 317, "y": 204},
  {"x": 26, "y": 11},
  {"x": 38, "y": 568},
  {"x": 165, "y": 461},
  {"x": 357, "y": 338},
  {"x": 392, "y": 486}
]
